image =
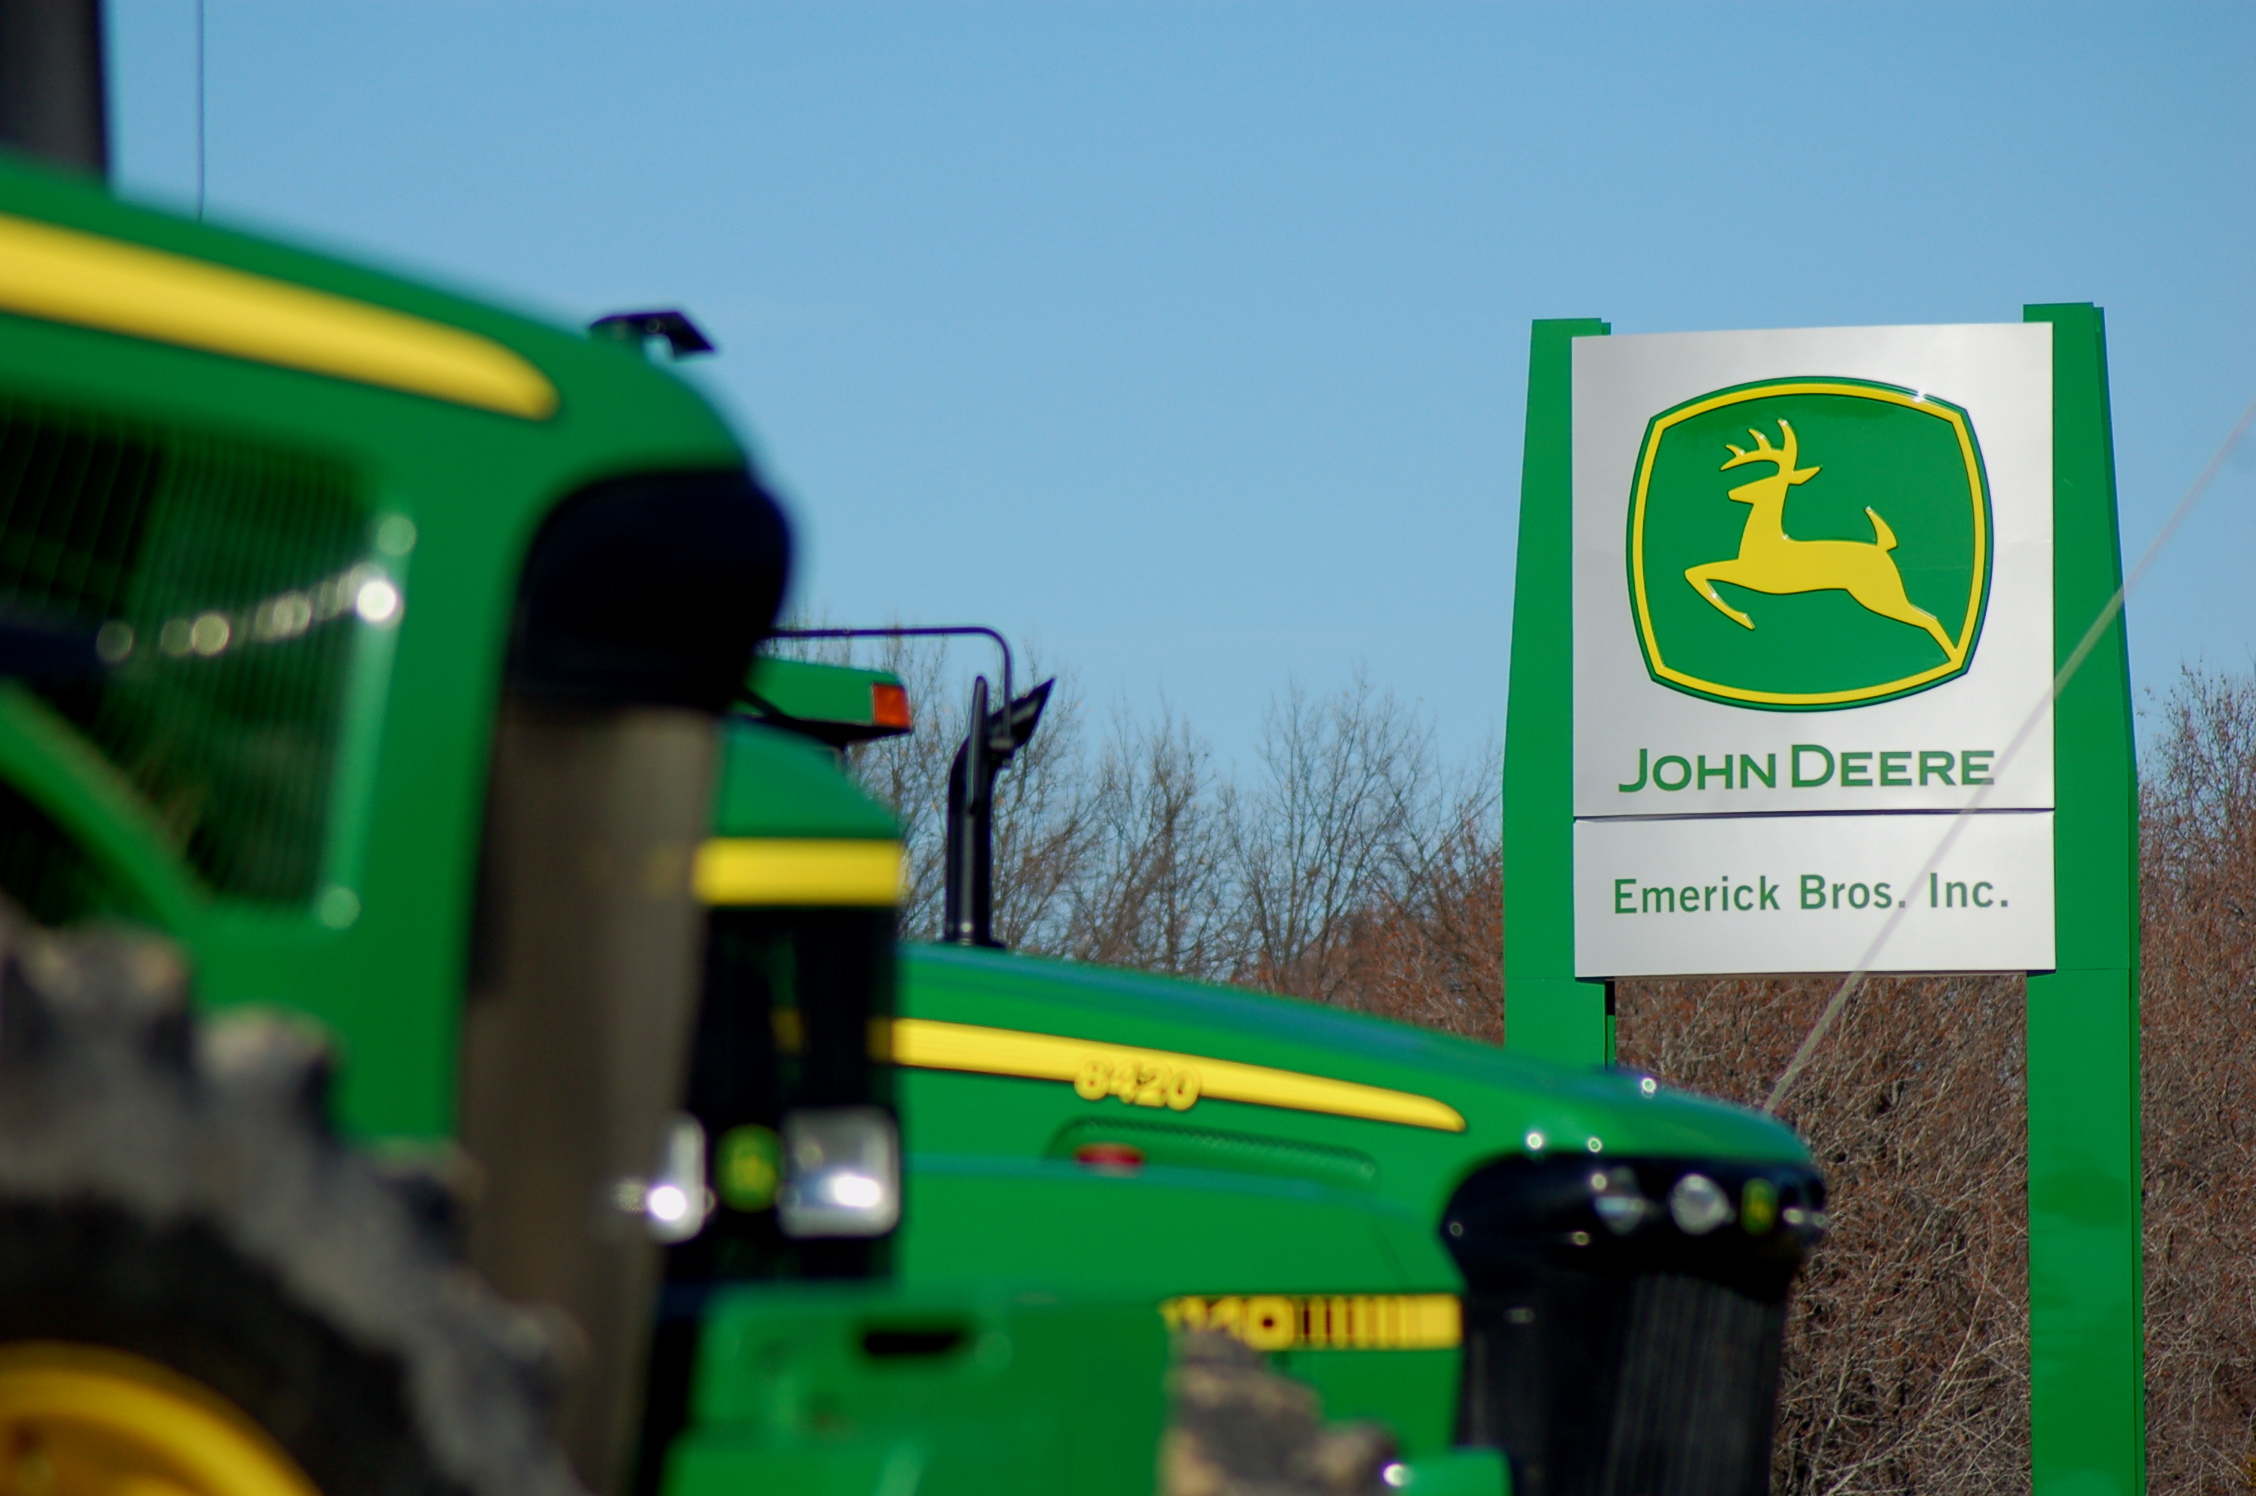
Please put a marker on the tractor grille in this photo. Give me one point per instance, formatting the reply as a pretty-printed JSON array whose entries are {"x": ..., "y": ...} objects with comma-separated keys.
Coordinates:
[
  {"x": 1613, "y": 1353},
  {"x": 222, "y": 576}
]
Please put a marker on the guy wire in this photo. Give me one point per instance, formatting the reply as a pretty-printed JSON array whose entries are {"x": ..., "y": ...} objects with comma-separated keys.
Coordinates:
[{"x": 2067, "y": 672}]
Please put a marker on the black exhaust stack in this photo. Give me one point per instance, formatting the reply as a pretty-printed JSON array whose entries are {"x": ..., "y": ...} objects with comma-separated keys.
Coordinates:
[
  {"x": 52, "y": 100},
  {"x": 990, "y": 743}
]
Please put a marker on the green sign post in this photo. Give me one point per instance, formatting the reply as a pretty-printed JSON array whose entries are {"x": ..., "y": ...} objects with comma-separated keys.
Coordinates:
[{"x": 1877, "y": 595}]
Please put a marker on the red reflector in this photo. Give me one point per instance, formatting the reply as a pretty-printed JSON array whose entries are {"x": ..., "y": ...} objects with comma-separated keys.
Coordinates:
[
  {"x": 889, "y": 706},
  {"x": 1109, "y": 1156}
]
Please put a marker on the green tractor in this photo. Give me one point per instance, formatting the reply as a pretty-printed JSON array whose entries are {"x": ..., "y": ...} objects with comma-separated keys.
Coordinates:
[
  {"x": 1580, "y": 1272},
  {"x": 372, "y": 648},
  {"x": 361, "y": 655}
]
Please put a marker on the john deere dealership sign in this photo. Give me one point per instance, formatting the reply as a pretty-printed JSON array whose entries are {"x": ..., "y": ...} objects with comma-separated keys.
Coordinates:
[
  {"x": 1797, "y": 592},
  {"x": 1812, "y": 605}
]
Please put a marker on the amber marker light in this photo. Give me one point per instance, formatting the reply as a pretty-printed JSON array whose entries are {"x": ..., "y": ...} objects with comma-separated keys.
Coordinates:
[{"x": 889, "y": 706}]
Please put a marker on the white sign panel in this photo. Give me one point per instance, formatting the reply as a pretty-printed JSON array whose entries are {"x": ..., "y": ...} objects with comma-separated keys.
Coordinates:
[
  {"x": 1760, "y": 894},
  {"x": 1812, "y": 585}
]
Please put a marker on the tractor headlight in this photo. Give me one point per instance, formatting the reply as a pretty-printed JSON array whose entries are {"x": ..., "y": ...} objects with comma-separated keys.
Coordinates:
[
  {"x": 842, "y": 1172},
  {"x": 1616, "y": 1198},
  {"x": 1698, "y": 1205},
  {"x": 673, "y": 1203}
]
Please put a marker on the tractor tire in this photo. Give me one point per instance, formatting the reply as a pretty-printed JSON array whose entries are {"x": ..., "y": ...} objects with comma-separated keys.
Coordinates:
[{"x": 203, "y": 1291}]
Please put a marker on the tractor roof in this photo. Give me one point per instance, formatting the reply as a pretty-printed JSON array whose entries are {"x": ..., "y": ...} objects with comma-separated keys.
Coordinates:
[{"x": 833, "y": 704}]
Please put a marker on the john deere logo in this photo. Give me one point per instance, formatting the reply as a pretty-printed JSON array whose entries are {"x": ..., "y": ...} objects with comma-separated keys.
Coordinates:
[{"x": 1808, "y": 543}]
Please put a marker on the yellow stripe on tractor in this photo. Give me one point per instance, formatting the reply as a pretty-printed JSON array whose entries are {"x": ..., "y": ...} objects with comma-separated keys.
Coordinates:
[
  {"x": 1153, "y": 1078},
  {"x": 62, "y": 275},
  {"x": 799, "y": 872}
]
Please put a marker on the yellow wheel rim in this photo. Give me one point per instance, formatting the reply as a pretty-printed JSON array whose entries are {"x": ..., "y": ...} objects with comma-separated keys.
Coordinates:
[{"x": 76, "y": 1420}]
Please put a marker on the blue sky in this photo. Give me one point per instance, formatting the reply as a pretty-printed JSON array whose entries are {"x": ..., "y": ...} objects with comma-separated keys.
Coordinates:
[{"x": 1189, "y": 341}]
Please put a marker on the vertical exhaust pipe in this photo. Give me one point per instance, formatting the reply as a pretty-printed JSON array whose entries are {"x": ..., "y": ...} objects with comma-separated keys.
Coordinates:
[
  {"x": 990, "y": 742},
  {"x": 53, "y": 102},
  {"x": 971, "y": 831}
]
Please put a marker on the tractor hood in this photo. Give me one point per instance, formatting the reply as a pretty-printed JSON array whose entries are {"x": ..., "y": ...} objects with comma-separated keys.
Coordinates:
[{"x": 1412, "y": 1111}]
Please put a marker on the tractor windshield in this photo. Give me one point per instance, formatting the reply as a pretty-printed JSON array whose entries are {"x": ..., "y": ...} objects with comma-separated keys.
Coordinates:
[{"x": 225, "y": 583}]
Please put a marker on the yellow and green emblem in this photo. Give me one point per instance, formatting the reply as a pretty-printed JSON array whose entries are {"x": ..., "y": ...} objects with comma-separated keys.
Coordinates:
[{"x": 1804, "y": 544}]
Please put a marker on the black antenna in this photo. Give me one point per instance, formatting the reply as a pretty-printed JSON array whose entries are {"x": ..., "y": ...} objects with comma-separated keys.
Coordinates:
[{"x": 199, "y": 111}]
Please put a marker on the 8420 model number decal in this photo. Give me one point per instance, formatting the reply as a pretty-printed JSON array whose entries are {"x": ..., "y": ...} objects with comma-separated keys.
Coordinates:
[
  {"x": 1152, "y": 1078},
  {"x": 1139, "y": 1080}
]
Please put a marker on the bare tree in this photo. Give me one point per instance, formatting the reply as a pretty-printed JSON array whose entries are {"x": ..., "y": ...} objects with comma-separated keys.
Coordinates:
[
  {"x": 1153, "y": 894},
  {"x": 1907, "y": 1352},
  {"x": 1431, "y": 952},
  {"x": 1349, "y": 870},
  {"x": 1329, "y": 834},
  {"x": 2198, "y": 978},
  {"x": 1042, "y": 834},
  {"x": 910, "y": 774}
]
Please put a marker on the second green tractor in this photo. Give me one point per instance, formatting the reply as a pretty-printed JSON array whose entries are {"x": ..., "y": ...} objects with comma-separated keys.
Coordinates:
[{"x": 1580, "y": 1277}]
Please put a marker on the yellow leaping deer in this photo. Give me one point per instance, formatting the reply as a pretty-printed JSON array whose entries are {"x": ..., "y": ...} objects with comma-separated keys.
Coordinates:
[{"x": 1772, "y": 561}]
